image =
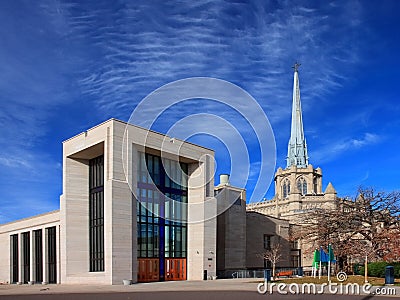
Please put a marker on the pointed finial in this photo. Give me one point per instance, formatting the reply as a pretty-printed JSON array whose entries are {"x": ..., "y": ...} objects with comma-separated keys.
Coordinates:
[{"x": 296, "y": 66}]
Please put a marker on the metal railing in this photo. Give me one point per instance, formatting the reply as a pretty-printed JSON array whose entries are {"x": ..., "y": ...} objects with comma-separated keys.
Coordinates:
[{"x": 256, "y": 273}]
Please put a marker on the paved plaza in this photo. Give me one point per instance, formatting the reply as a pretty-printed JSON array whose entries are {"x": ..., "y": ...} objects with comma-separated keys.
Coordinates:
[{"x": 221, "y": 289}]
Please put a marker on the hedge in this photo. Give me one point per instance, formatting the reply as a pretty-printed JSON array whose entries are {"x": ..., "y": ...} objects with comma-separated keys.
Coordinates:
[{"x": 377, "y": 269}]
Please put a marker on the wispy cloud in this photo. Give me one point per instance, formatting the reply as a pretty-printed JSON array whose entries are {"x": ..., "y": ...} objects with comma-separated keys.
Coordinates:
[
  {"x": 14, "y": 162},
  {"x": 334, "y": 148},
  {"x": 67, "y": 65},
  {"x": 143, "y": 45}
]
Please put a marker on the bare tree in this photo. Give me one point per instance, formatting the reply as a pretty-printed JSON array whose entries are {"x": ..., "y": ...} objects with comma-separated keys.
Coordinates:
[
  {"x": 391, "y": 240},
  {"x": 274, "y": 254},
  {"x": 366, "y": 226}
]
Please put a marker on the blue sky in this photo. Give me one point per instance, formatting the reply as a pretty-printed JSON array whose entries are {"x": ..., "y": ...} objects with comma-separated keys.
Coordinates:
[{"x": 66, "y": 66}]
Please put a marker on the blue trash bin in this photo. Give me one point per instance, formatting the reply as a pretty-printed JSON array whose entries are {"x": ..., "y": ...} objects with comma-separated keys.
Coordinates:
[
  {"x": 389, "y": 275},
  {"x": 267, "y": 275},
  {"x": 300, "y": 271}
]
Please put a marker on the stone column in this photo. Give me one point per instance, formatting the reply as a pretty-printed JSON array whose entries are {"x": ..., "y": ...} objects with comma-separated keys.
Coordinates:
[
  {"x": 32, "y": 255},
  {"x": 58, "y": 280}
]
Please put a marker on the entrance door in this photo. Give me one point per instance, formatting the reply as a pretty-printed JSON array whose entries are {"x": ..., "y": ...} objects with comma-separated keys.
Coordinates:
[
  {"x": 175, "y": 269},
  {"x": 148, "y": 269}
]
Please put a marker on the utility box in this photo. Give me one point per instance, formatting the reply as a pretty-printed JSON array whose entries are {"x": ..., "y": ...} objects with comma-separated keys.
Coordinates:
[
  {"x": 389, "y": 275},
  {"x": 267, "y": 275},
  {"x": 205, "y": 275}
]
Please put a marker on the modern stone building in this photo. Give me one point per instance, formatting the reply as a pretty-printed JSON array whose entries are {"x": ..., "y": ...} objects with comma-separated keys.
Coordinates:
[
  {"x": 136, "y": 205},
  {"x": 30, "y": 249},
  {"x": 244, "y": 236}
]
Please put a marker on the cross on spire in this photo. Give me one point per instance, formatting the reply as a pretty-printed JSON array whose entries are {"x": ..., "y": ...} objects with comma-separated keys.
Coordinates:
[{"x": 296, "y": 66}]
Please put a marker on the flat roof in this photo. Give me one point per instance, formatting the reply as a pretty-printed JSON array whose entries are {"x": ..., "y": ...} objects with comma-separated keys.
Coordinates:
[
  {"x": 32, "y": 217},
  {"x": 133, "y": 125}
]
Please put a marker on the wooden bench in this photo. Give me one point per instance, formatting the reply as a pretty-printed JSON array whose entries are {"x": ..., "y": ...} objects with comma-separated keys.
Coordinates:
[{"x": 284, "y": 273}]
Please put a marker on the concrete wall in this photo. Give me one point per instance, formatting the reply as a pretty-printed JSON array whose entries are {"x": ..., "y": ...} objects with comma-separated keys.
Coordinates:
[
  {"x": 202, "y": 226},
  {"x": 123, "y": 224},
  {"x": 257, "y": 225},
  {"x": 74, "y": 211},
  {"x": 231, "y": 229}
]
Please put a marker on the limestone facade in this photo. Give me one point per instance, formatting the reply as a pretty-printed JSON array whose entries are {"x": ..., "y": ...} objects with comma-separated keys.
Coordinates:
[
  {"x": 297, "y": 190},
  {"x": 120, "y": 144},
  {"x": 29, "y": 227},
  {"x": 231, "y": 228}
]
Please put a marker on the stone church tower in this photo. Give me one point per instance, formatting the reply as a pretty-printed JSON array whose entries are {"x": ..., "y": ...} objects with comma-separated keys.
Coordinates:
[{"x": 298, "y": 187}]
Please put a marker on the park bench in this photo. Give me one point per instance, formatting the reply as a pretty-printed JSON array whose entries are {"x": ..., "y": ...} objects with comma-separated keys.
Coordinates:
[{"x": 284, "y": 274}]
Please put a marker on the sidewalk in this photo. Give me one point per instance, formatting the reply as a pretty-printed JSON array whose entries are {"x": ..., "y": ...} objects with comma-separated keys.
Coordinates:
[
  {"x": 248, "y": 284},
  {"x": 209, "y": 285}
]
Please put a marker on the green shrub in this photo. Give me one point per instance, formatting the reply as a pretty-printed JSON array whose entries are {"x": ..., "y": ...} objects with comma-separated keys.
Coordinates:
[{"x": 377, "y": 269}]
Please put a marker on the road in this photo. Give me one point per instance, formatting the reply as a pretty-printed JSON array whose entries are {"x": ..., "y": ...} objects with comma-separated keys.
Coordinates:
[{"x": 179, "y": 295}]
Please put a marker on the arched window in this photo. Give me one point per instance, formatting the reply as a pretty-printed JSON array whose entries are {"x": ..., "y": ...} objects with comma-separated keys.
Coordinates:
[
  {"x": 315, "y": 185},
  {"x": 286, "y": 188},
  {"x": 302, "y": 186}
]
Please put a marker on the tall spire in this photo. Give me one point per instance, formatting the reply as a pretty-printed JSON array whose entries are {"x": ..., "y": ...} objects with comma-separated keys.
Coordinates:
[{"x": 297, "y": 148}]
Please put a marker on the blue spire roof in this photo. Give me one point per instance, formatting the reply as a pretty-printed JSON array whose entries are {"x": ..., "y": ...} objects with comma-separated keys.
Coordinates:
[{"x": 297, "y": 148}]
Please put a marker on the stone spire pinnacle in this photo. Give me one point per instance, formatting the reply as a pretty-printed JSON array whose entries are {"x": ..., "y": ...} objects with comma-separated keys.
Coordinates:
[{"x": 297, "y": 148}]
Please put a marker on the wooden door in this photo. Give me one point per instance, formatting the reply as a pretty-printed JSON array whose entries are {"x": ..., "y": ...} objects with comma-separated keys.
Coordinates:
[
  {"x": 148, "y": 269},
  {"x": 175, "y": 269}
]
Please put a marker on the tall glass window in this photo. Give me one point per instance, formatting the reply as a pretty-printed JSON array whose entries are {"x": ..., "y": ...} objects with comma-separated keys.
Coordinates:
[
  {"x": 267, "y": 241},
  {"x": 148, "y": 220},
  {"x": 26, "y": 261},
  {"x": 315, "y": 185},
  {"x": 286, "y": 188},
  {"x": 51, "y": 254},
  {"x": 161, "y": 207},
  {"x": 37, "y": 235},
  {"x": 96, "y": 214},
  {"x": 14, "y": 257},
  {"x": 175, "y": 225}
]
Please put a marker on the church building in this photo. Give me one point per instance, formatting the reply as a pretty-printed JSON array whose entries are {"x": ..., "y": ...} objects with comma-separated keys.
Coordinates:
[{"x": 298, "y": 187}]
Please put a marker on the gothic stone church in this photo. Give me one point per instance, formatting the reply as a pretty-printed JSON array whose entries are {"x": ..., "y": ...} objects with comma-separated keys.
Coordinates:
[{"x": 298, "y": 187}]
